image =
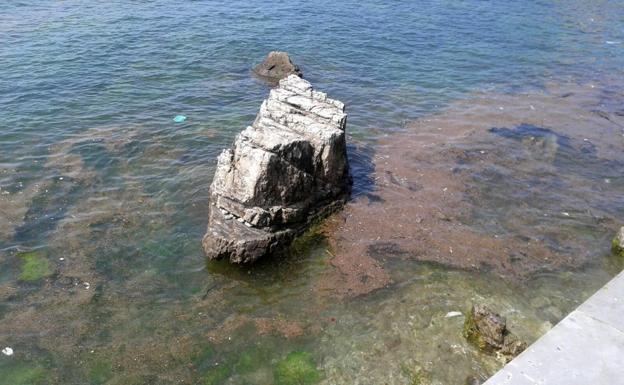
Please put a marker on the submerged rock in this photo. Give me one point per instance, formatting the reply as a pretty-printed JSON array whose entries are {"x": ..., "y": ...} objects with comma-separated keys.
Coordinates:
[
  {"x": 488, "y": 331},
  {"x": 284, "y": 171},
  {"x": 472, "y": 380},
  {"x": 618, "y": 243},
  {"x": 276, "y": 66}
]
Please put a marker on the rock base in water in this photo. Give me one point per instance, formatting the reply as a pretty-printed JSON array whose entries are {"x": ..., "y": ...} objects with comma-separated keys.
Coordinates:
[
  {"x": 488, "y": 331},
  {"x": 276, "y": 66},
  {"x": 284, "y": 171},
  {"x": 617, "y": 246}
]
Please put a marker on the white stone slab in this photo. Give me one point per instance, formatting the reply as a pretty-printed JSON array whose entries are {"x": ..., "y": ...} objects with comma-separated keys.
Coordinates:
[{"x": 607, "y": 305}]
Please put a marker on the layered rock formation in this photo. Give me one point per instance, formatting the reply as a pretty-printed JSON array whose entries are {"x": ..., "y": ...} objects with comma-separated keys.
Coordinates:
[
  {"x": 286, "y": 169},
  {"x": 276, "y": 66}
]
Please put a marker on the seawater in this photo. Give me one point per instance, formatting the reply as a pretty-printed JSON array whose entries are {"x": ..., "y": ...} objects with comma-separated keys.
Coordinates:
[{"x": 103, "y": 198}]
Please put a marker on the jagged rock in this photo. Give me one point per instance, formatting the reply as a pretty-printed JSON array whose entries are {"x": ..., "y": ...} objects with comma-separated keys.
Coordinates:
[
  {"x": 276, "y": 66},
  {"x": 618, "y": 243},
  {"x": 488, "y": 331},
  {"x": 285, "y": 170}
]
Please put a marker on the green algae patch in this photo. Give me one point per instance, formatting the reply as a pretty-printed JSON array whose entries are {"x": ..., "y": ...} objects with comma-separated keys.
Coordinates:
[
  {"x": 100, "y": 372},
  {"x": 617, "y": 248},
  {"x": 216, "y": 375},
  {"x": 203, "y": 356},
  {"x": 22, "y": 374},
  {"x": 34, "y": 266},
  {"x": 471, "y": 334},
  {"x": 303, "y": 244},
  {"x": 298, "y": 368},
  {"x": 251, "y": 360},
  {"x": 132, "y": 379}
]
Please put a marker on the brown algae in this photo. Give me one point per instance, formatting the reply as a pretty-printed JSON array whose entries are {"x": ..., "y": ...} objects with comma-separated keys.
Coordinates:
[{"x": 444, "y": 225}]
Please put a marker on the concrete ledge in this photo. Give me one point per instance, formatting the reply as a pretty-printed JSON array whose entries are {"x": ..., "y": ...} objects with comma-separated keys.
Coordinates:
[{"x": 585, "y": 348}]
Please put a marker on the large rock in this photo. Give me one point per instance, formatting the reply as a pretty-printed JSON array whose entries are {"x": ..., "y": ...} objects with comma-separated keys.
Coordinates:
[
  {"x": 285, "y": 170},
  {"x": 276, "y": 66},
  {"x": 488, "y": 331}
]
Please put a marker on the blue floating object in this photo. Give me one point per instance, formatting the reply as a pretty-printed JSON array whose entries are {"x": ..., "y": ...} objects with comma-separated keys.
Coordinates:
[{"x": 179, "y": 118}]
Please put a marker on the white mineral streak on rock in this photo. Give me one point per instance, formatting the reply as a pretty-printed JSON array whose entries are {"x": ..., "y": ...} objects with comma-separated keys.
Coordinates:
[{"x": 290, "y": 162}]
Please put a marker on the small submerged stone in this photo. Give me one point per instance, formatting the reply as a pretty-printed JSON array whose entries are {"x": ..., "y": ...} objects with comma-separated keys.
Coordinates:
[
  {"x": 488, "y": 331},
  {"x": 617, "y": 245},
  {"x": 472, "y": 380}
]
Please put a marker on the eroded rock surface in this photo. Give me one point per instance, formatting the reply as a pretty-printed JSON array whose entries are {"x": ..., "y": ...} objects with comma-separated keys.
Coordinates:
[
  {"x": 276, "y": 66},
  {"x": 286, "y": 169}
]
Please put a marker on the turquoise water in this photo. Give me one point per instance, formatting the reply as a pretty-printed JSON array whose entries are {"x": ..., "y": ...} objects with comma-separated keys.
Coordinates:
[{"x": 107, "y": 196}]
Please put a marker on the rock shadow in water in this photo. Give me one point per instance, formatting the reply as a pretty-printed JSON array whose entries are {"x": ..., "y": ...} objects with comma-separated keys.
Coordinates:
[{"x": 361, "y": 167}]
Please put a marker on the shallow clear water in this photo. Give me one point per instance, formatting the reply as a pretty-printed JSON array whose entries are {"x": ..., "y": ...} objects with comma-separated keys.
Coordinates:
[{"x": 103, "y": 197}]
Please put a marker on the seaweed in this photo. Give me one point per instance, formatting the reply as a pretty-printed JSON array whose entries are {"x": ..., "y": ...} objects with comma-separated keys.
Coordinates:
[
  {"x": 298, "y": 368},
  {"x": 34, "y": 266}
]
